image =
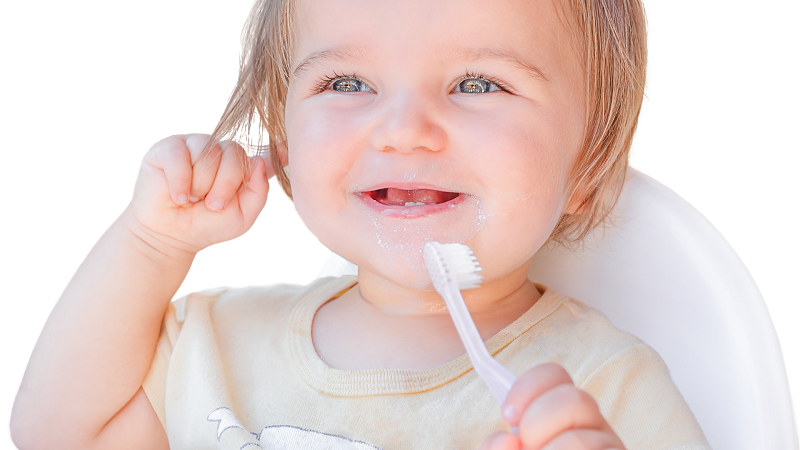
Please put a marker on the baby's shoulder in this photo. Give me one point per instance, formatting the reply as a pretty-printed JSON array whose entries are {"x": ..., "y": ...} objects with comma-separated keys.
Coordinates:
[
  {"x": 253, "y": 301},
  {"x": 583, "y": 340},
  {"x": 590, "y": 326}
]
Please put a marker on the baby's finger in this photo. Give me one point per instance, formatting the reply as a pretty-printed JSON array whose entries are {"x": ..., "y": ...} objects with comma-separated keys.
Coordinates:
[
  {"x": 264, "y": 153},
  {"x": 562, "y": 408},
  {"x": 268, "y": 167},
  {"x": 254, "y": 195},
  {"x": 583, "y": 440},
  {"x": 205, "y": 171},
  {"x": 196, "y": 143},
  {"x": 174, "y": 159},
  {"x": 501, "y": 440},
  {"x": 230, "y": 175},
  {"x": 531, "y": 385}
]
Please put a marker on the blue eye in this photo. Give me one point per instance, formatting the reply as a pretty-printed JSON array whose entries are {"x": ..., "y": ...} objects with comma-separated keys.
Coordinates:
[
  {"x": 350, "y": 84},
  {"x": 476, "y": 85}
]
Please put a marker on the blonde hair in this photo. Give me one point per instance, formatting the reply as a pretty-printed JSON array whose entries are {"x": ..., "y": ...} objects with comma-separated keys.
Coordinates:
[{"x": 611, "y": 42}]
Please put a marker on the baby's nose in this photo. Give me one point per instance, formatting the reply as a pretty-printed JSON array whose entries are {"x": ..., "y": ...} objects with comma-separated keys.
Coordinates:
[{"x": 408, "y": 123}]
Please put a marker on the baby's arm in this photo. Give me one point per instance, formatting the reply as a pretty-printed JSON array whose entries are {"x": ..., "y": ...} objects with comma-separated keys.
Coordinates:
[{"x": 82, "y": 386}]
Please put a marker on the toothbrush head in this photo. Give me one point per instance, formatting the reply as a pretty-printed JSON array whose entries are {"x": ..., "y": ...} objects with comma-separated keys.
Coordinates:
[{"x": 451, "y": 263}]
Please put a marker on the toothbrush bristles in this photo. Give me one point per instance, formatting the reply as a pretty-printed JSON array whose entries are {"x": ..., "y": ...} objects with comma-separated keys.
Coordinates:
[
  {"x": 466, "y": 267},
  {"x": 462, "y": 264}
]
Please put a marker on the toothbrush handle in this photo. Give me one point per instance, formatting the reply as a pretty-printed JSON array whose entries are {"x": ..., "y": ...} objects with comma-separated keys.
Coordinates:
[{"x": 496, "y": 376}]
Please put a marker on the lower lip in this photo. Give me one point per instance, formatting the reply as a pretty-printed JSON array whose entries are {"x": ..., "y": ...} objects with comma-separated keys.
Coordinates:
[{"x": 409, "y": 212}]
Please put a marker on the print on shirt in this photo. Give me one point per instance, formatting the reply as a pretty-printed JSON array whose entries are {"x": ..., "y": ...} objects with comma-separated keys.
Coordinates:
[{"x": 280, "y": 437}]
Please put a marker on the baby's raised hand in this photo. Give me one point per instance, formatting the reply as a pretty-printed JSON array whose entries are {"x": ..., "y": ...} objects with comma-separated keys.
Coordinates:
[
  {"x": 189, "y": 202},
  {"x": 552, "y": 414}
]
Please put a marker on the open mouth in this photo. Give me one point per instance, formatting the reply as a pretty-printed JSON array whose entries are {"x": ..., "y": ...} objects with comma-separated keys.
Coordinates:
[
  {"x": 411, "y": 197},
  {"x": 409, "y": 203}
]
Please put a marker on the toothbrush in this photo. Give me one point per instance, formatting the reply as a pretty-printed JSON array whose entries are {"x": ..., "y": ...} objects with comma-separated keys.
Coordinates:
[{"x": 453, "y": 267}]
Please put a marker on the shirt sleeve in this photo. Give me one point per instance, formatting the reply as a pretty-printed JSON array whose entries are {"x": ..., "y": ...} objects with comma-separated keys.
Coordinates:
[
  {"x": 638, "y": 398},
  {"x": 155, "y": 382}
]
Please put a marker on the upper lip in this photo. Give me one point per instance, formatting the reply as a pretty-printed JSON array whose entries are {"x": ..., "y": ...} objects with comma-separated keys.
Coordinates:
[{"x": 408, "y": 186}]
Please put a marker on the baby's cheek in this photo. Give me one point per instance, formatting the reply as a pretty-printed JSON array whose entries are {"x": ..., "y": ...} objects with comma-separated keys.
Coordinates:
[
  {"x": 516, "y": 228},
  {"x": 302, "y": 194},
  {"x": 323, "y": 125}
]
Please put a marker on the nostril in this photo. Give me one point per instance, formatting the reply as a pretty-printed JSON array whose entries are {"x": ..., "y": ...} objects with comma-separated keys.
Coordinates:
[{"x": 410, "y": 131}]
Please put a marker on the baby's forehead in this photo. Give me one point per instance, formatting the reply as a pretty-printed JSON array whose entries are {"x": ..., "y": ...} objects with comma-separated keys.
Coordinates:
[{"x": 434, "y": 31}]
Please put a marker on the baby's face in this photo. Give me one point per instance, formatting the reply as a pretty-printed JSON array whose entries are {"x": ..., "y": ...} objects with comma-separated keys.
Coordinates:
[{"x": 446, "y": 120}]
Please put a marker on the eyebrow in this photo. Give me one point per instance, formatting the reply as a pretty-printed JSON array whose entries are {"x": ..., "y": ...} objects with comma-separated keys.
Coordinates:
[
  {"x": 347, "y": 53},
  {"x": 456, "y": 53},
  {"x": 508, "y": 56}
]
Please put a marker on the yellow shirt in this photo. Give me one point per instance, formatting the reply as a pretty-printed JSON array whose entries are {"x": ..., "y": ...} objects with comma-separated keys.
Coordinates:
[{"x": 237, "y": 367}]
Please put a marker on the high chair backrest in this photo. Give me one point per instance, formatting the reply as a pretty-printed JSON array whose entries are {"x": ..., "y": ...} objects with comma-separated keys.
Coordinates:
[{"x": 663, "y": 273}]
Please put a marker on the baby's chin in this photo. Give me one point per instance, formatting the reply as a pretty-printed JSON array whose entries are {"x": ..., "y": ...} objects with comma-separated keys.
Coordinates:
[
  {"x": 403, "y": 266},
  {"x": 411, "y": 276}
]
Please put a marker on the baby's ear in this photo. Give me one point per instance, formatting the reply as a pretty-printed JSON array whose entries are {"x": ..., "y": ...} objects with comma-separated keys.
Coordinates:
[{"x": 283, "y": 153}]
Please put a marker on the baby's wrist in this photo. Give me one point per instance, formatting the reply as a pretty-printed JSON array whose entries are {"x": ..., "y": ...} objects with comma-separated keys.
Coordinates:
[{"x": 162, "y": 249}]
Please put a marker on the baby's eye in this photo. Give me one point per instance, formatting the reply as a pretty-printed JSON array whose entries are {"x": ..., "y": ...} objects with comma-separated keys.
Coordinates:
[
  {"x": 476, "y": 85},
  {"x": 350, "y": 84}
]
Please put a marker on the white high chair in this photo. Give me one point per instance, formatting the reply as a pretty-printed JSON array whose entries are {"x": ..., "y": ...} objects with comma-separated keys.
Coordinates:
[{"x": 666, "y": 275}]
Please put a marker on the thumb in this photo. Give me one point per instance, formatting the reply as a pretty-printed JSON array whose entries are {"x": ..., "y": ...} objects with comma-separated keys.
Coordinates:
[
  {"x": 253, "y": 196},
  {"x": 269, "y": 170},
  {"x": 263, "y": 153}
]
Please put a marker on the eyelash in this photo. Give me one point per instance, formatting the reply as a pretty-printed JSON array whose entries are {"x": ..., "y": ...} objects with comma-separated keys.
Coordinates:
[
  {"x": 325, "y": 82},
  {"x": 478, "y": 76}
]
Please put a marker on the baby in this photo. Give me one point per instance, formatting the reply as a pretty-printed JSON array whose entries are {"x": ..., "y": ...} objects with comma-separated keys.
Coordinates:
[{"x": 502, "y": 125}]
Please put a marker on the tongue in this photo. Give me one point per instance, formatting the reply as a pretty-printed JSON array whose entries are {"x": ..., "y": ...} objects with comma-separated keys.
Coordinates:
[{"x": 394, "y": 196}]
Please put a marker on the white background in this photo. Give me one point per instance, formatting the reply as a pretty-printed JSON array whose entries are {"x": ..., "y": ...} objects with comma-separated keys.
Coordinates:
[{"x": 87, "y": 86}]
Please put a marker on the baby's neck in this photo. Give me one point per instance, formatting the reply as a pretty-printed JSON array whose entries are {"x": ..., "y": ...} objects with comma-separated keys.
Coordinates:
[
  {"x": 409, "y": 330},
  {"x": 395, "y": 299}
]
